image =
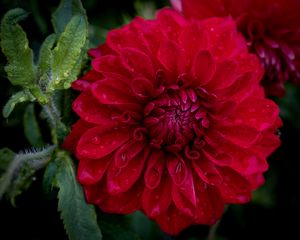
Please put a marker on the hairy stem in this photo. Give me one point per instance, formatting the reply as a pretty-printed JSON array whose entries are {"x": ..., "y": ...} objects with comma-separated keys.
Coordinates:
[{"x": 36, "y": 161}]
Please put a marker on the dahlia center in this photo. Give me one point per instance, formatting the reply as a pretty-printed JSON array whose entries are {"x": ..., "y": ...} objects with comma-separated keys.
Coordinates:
[{"x": 175, "y": 118}]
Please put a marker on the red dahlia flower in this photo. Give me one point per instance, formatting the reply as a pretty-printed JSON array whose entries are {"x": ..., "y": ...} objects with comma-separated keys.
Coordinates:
[
  {"x": 173, "y": 121},
  {"x": 272, "y": 30}
]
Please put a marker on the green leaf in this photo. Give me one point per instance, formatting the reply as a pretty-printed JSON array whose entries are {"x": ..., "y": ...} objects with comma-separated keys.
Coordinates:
[
  {"x": 19, "y": 173},
  {"x": 79, "y": 218},
  {"x": 67, "y": 55},
  {"x": 113, "y": 231},
  {"x": 19, "y": 97},
  {"x": 46, "y": 60},
  {"x": 49, "y": 175},
  {"x": 76, "y": 68},
  {"x": 6, "y": 155},
  {"x": 65, "y": 11},
  {"x": 289, "y": 105},
  {"x": 20, "y": 70},
  {"x": 145, "y": 227},
  {"x": 31, "y": 127}
]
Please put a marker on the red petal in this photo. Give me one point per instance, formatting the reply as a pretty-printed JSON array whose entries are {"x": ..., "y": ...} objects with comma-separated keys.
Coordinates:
[
  {"x": 221, "y": 110},
  {"x": 114, "y": 95},
  {"x": 241, "y": 159},
  {"x": 240, "y": 134},
  {"x": 155, "y": 169},
  {"x": 173, "y": 221},
  {"x": 157, "y": 200},
  {"x": 187, "y": 188},
  {"x": 102, "y": 49},
  {"x": 142, "y": 88},
  {"x": 182, "y": 201},
  {"x": 123, "y": 203},
  {"x": 256, "y": 112},
  {"x": 78, "y": 129},
  {"x": 84, "y": 82},
  {"x": 121, "y": 179},
  {"x": 267, "y": 144},
  {"x": 172, "y": 57},
  {"x": 210, "y": 205},
  {"x": 98, "y": 142},
  {"x": 110, "y": 66},
  {"x": 207, "y": 171},
  {"x": 177, "y": 169},
  {"x": 225, "y": 75},
  {"x": 234, "y": 188},
  {"x": 127, "y": 152},
  {"x": 192, "y": 39},
  {"x": 203, "y": 68},
  {"x": 91, "y": 171},
  {"x": 137, "y": 62},
  {"x": 89, "y": 109},
  {"x": 129, "y": 36},
  {"x": 203, "y": 9},
  {"x": 171, "y": 23}
]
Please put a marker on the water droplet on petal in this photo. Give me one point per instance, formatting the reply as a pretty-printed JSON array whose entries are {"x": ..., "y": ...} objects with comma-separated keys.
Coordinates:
[{"x": 95, "y": 140}]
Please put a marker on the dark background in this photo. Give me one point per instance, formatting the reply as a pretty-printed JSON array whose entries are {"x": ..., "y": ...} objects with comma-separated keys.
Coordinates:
[{"x": 275, "y": 208}]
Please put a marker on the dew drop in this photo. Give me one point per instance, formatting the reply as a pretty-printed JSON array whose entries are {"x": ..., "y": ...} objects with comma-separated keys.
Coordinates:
[{"x": 95, "y": 140}]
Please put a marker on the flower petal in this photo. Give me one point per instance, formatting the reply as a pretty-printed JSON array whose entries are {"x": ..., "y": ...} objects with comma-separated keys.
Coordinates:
[
  {"x": 240, "y": 134},
  {"x": 142, "y": 88},
  {"x": 91, "y": 171},
  {"x": 127, "y": 152},
  {"x": 224, "y": 76},
  {"x": 110, "y": 66},
  {"x": 154, "y": 169},
  {"x": 207, "y": 171},
  {"x": 137, "y": 62},
  {"x": 79, "y": 128},
  {"x": 256, "y": 112},
  {"x": 121, "y": 179},
  {"x": 123, "y": 203},
  {"x": 98, "y": 142},
  {"x": 234, "y": 188},
  {"x": 109, "y": 92},
  {"x": 182, "y": 202},
  {"x": 89, "y": 109},
  {"x": 173, "y": 221},
  {"x": 203, "y": 9},
  {"x": 156, "y": 201},
  {"x": 177, "y": 169},
  {"x": 203, "y": 68},
  {"x": 210, "y": 205},
  {"x": 171, "y": 23},
  {"x": 172, "y": 57}
]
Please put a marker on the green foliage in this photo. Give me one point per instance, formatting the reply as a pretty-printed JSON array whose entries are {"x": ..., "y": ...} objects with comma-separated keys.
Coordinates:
[
  {"x": 22, "y": 96},
  {"x": 6, "y": 156},
  {"x": 49, "y": 175},
  {"x": 20, "y": 170},
  {"x": 289, "y": 106},
  {"x": 265, "y": 195},
  {"x": 142, "y": 225},
  {"x": 60, "y": 57},
  {"x": 14, "y": 44},
  {"x": 65, "y": 11},
  {"x": 31, "y": 127},
  {"x": 114, "y": 231},
  {"x": 79, "y": 218},
  {"x": 67, "y": 55},
  {"x": 45, "y": 61}
]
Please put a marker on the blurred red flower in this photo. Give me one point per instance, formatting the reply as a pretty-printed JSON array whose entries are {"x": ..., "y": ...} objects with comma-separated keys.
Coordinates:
[
  {"x": 272, "y": 30},
  {"x": 173, "y": 121}
]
